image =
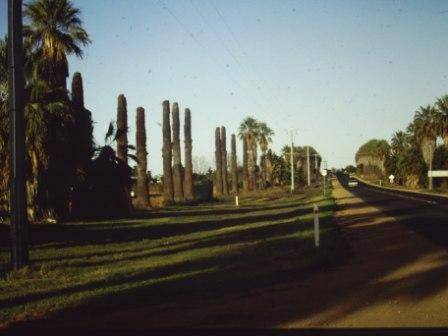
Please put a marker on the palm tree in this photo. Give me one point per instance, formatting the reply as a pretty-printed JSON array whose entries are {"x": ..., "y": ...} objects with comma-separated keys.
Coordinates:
[
  {"x": 249, "y": 131},
  {"x": 424, "y": 131},
  {"x": 55, "y": 31},
  {"x": 442, "y": 106},
  {"x": 265, "y": 137},
  {"x": 399, "y": 142}
]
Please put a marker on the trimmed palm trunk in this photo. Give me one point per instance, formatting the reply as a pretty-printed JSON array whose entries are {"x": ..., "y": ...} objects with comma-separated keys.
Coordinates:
[
  {"x": 168, "y": 192},
  {"x": 225, "y": 185},
  {"x": 188, "y": 174},
  {"x": 122, "y": 129},
  {"x": 142, "y": 191},
  {"x": 177, "y": 162},
  {"x": 245, "y": 162},
  {"x": 218, "y": 158},
  {"x": 83, "y": 136},
  {"x": 233, "y": 166}
]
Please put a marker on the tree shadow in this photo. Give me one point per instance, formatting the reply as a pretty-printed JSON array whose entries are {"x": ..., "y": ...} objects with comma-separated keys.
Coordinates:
[{"x": 278, "y": 280}]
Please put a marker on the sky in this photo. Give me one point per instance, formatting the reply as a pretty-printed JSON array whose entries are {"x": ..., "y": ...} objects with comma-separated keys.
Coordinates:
[{"x": 337, "y": 72}]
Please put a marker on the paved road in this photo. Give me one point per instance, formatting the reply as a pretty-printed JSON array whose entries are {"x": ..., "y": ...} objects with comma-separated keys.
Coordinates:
[{"x": 425, "y": 214}]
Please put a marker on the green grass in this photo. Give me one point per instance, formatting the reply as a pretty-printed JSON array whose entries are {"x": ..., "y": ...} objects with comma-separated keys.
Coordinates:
[{"x": 189, "y": 250}]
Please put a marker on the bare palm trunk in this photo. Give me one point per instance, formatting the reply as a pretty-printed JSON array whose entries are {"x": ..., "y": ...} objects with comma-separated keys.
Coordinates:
[
  {"x": 122, "y": 129},
  {"x": 233, "y": 166},
  {"x": 177, "y": 162},
  {"x": 122, "y": 144},
  {"x": 218, "y": 157},
  {"x": 142, "y": 191},
  {"x": 188, "y": 178},
  {"x": 245, "y": 163},
  {"x": 168, "y": 192},
  {"x": 225, "y": 185}
]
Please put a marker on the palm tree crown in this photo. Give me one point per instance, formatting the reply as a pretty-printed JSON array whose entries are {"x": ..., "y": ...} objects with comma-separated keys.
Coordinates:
[{"x": 55, "y": 31}]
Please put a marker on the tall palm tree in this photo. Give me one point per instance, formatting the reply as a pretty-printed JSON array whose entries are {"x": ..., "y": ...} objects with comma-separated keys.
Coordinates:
[
  {"x": 249, "y": 132},
  {"x": 264, "y": 139},
  {"x": 424, "y": 131},
  {"x": 442, "y": 106},
  {"x": 55, "y": 31}
]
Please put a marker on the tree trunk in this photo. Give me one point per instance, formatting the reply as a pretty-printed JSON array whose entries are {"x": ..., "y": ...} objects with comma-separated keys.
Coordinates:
[
  {"x": 122, "y": 143},
  {"x": 245, "y": 164},
  {"x": 188, "y": 177},
  {"x": 269, "y": 168},
  {"x": 218, "y": 157},
  {"x": 142, "y": 191},
  {"x": 251, "y": 161},
  {"x": 168, "y": 192},
  {"x": 177, "y": 162},
  {"x": 225, "y": 185},
  {"x": 122, "y": 129},
  {"x": 233, "y": 166}
]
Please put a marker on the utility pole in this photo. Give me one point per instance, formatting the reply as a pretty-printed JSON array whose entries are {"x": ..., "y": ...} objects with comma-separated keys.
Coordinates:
[
  {"x": 17, "y": 196},
  {"x": 308, "y": 164},
  {"x": 430, "y": 168}
]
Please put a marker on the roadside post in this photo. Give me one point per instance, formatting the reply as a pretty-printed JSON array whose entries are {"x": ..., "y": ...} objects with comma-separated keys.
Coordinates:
[
  {"x": 237, "y": 201},
  {"x": 316, "y": 226},
  {"x": 324, "y": 175}
]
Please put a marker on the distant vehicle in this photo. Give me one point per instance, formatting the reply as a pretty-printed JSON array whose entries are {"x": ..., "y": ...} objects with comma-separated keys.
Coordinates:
[{"x": 352, "y": 182}]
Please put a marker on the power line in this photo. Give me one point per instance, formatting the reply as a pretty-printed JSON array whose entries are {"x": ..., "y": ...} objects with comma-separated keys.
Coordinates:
[
  {"x": 204, "y": 50},
  {"x": 224, "y": 45},
  {"x": 243, "y": 52}
]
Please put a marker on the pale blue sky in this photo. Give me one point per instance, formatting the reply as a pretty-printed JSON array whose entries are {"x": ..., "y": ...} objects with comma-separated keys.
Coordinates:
[{"x": 341, "y": 72}]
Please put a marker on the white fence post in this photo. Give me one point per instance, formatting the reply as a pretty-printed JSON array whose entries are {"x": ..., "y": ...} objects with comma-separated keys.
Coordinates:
[
  {"x": 236, "y": 201},
  {"x": 316, "y": 226}
]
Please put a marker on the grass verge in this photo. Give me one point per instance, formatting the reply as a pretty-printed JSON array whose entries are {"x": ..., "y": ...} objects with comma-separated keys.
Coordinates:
[{"x": 162, "y": 256}]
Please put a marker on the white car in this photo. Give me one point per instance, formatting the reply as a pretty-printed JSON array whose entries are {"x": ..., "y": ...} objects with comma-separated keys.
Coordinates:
[{"x": 352, "y": 182}]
